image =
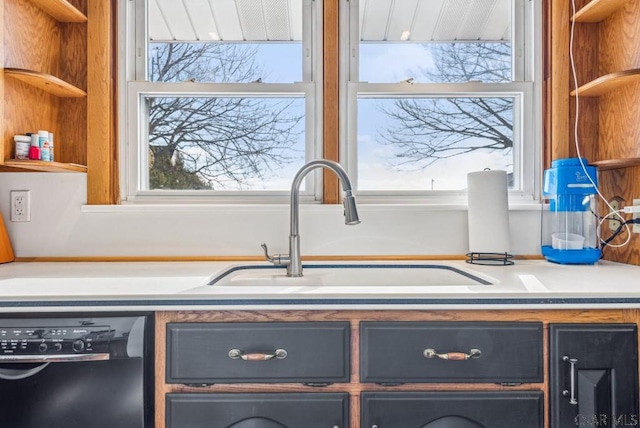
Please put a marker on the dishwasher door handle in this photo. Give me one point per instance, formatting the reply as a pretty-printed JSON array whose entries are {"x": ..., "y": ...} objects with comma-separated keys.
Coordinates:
[
  {"x": 17, "y": 374},
  {"x": 60, "y": 358}
]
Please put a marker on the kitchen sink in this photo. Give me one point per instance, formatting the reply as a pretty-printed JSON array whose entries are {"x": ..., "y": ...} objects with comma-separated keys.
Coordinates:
[{"x": 348, "y": 275}]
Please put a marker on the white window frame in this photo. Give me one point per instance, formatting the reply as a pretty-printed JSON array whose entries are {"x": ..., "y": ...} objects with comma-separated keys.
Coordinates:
[
  {"x": 526, "y": 88},
  {"x": 134, "y": 88}
]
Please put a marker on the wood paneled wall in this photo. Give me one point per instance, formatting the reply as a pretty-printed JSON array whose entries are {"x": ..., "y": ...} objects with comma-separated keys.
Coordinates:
[
  {"x": 618, "y": 117},
  {"x": 101, "y": 147},
  {"x": 331, "y": 93},
  {"x": 73, "y": 69},
  {"x": 625, "y": 184},
  {"x": 619, "y": 111},
  {"x": 556, "y": 80}
]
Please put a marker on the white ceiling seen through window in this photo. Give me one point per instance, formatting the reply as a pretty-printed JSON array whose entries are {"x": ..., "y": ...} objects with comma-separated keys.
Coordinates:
[{"x": 281, "y": 20}]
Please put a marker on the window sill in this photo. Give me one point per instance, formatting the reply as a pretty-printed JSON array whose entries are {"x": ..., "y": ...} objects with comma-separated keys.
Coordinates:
[{"x": 205, "y": 208}]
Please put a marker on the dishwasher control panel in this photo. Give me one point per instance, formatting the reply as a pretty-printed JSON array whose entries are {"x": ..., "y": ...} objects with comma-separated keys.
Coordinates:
[{"x": 55, "y": 340}]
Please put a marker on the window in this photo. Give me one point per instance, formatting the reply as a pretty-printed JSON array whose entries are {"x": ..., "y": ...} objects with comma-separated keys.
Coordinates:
[
  {"x": 221, "y": 97},
  {"x": 437, "y": 89},
  {"x": 224, "y": 97}
]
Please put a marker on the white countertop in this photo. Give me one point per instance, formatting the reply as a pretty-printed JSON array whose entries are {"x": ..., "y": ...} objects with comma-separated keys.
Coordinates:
[{"x": 183, "y": 285}]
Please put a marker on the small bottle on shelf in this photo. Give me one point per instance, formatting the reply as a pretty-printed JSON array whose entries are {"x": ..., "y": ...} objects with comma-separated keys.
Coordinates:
[
  {"x": 51, "y": 158},
  {"x": 34, "y": 150},
  {"x": 23, "y": 142},
  {"x": 44, "y": 146}
]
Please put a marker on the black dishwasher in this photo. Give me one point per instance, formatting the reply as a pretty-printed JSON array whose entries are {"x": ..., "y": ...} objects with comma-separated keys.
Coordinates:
[{"x": 76, "y": 371}]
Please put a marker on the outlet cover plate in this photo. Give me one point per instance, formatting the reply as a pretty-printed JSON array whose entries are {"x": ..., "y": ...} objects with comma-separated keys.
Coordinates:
[
  {"x": 20, "y": 205},
  {"x": 636, "y": 227},
  {"x": 614, "y": 222}
]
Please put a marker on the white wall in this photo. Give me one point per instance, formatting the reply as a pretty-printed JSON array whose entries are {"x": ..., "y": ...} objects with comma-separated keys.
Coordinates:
[{"x": 63, "y": 226}]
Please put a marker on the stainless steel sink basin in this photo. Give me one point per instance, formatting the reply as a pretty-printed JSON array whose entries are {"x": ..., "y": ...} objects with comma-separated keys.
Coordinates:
[{"x": 348, "y": 275}]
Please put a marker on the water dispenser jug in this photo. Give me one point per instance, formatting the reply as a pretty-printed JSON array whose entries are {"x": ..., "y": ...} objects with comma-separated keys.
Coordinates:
[{"x": 569, "y": 227}]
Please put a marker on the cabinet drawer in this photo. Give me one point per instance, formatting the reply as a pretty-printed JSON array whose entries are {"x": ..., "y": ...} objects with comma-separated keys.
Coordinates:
[
  {"x": 398, "y": 352},
  {"x": 305, "y": 352},
  {"x": 495, "y": 409},
  {"x": 264, "y": 410}
]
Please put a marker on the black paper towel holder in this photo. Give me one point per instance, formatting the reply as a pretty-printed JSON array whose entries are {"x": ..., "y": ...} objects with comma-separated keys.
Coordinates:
[{"x": 490, "y": 259}]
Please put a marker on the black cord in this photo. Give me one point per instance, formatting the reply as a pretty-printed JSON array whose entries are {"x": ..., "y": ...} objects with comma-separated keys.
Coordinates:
[{"x": 619, "y": 230}]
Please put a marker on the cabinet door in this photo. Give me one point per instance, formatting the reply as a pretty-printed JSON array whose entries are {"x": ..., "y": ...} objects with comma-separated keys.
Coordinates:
[
  {"x": 488, "y": 409},
  {"x": 593, "y": 375},
  {"x": 259, "y": 410}
]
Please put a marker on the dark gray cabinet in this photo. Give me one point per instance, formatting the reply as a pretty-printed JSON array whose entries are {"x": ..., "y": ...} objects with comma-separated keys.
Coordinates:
[
  {"x": 489, "y": 352},
  {"x": 478, "y": 352},
  {"x": 315, "y": 353},
  {"x": 487, "y": 409},
  {"x": 593, "y": 371},
  {"x": 300, "y": 352},
  {"x": 257, "y": 410}
]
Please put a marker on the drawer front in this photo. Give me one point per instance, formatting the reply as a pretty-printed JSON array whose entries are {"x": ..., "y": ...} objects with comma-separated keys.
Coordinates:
[
  {"x": 397, "y": 352},
  {"x": 305, "y": 352},
  {"x": 496, "y": 409},
  {"x": 264, "y": 410}
]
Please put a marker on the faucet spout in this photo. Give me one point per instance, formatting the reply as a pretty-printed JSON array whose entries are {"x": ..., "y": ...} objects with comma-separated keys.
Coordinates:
[
  {"x": 293, "y": 259},
  {"x": 294, "y": 268}
]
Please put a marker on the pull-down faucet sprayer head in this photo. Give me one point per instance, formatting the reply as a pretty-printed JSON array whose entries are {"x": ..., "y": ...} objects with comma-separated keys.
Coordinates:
[{"x": 350, "y": 209}]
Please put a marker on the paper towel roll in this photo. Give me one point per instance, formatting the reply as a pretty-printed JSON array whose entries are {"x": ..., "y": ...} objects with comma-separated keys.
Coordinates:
[{"x": 488, "y": 207}]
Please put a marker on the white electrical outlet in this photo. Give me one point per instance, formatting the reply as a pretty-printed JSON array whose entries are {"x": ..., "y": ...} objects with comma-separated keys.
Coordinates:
[
  {"x": 20, "y": 205},
  {"x": 636, "y": 227}
]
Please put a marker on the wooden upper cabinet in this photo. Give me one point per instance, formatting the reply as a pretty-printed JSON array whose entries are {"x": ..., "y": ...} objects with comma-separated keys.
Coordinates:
[
  {"x": 48, "y": 84},
  {"x": 45, "y": 80},
  {"x": 607, "y": 36}
]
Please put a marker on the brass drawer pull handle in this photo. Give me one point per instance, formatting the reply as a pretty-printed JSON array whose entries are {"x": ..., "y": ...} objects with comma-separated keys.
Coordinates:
[
  {"x": 237, "y": 354},
  {"x": 456, "y": 356}
]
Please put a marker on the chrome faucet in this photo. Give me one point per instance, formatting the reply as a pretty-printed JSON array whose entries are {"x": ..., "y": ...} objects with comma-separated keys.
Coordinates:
[{"x": 292, "y": 260}]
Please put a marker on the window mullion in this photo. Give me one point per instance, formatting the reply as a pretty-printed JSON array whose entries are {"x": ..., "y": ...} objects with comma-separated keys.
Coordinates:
[
  {"x": 437, "y": 89},
  {"x": 331, "y": 89}
]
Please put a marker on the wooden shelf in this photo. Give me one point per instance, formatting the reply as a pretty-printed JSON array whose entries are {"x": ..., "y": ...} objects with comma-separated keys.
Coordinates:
[
  {"x": 61, "y": 10},
  {"x": 605, "y": 165},
  {"x": 34, "y": 165},
  {"x": 605, "y": 84},
  {"x": 46, "y": 82},
  {"x": 598, "y": 10}
]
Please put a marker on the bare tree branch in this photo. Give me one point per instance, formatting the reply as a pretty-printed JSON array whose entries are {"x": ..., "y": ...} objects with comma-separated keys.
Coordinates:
[
  {"x": 225, "y": 141},
  {"x": 426, "y": 130}
]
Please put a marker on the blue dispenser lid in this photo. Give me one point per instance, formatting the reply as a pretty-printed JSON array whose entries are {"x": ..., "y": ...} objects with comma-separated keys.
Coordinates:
[{"x": 567, "y": 177}]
